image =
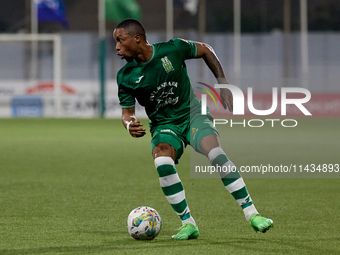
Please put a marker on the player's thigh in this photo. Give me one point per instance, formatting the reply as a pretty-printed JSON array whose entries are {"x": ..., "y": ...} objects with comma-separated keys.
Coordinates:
[{"x": 203, "y": 135}]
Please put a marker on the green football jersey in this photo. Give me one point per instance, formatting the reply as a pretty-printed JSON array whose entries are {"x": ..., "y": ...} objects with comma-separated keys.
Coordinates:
[{"x": 161, "y": 84}]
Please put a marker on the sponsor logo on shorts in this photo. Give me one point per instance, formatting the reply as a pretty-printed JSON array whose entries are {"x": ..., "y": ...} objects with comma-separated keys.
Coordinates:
[{"x": 194, "y": 132}]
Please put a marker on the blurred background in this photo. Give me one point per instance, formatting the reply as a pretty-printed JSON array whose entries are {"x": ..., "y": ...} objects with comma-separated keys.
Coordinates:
[{"x": 58, "y": 58}]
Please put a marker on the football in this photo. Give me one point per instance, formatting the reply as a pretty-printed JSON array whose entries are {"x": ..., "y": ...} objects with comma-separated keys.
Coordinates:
[{"x": 144, "y": 223}]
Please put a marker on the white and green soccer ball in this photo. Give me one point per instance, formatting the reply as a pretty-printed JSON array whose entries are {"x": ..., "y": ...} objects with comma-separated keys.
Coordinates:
[{"x": 144, "y": 223}]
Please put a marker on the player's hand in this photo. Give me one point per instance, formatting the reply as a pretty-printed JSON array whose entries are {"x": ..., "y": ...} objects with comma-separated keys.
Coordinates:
[
  {"x": 136, "y": 129},
  {"x": 227, "y": 98}
]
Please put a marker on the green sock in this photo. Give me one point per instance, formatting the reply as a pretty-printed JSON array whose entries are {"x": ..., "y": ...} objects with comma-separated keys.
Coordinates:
[{"x": 173, "y": 188}]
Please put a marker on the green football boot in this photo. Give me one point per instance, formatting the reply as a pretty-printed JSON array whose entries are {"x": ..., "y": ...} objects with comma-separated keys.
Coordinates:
[
  {"x": 260, "y": 224},
  {"x": 187, "y": 231}
]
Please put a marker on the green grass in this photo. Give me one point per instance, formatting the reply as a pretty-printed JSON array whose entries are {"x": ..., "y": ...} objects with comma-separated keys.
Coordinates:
[{"x": 67, "y": 187}]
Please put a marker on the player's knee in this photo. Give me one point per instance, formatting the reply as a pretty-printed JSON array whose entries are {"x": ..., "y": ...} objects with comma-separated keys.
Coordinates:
[
  {"x": 208, "y": 143},
  {"x": 164, "y": 150}
]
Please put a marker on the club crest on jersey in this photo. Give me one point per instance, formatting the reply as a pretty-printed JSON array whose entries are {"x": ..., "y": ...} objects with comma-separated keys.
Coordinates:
[{"x": 167, "y": 65}]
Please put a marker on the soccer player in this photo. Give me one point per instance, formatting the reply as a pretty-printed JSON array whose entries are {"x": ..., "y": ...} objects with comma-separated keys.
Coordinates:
[{"x": 156, "y": 76}]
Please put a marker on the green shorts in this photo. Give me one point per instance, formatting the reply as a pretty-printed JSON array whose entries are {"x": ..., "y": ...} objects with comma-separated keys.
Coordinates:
[{"x": 179, "y": 136}]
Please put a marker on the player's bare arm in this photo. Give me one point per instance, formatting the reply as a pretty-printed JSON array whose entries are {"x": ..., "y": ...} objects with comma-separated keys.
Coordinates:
[
  {"x": 206, "y": 52},
  {"x": 131, "y": 123}
]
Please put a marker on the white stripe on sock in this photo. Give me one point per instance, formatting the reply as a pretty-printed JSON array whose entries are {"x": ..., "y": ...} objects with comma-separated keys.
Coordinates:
[
  {"x": 230, "y": 167},
  {"x": 159, "y": 161},
  {"x": 169, "y": 180},
  {"x": 214, "y": 153},
  {"x": 176, "y": 198},
  {"x": 249, "y": 211},
  {"x": 189, "y": 220},
  {"x": 236, "y": 185}
]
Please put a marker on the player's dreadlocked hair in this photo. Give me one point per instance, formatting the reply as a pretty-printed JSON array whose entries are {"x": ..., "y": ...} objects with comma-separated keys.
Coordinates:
[{"x": 133, "y": 27}]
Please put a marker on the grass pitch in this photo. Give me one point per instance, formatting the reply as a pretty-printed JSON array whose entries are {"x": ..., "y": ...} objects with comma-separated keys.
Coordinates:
[{"x": 67, "y": 187}]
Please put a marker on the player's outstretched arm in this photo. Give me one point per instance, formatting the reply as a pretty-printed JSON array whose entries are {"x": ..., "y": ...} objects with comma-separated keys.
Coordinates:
[
  {"x": 206, "y": 52},
  {"x": 131, "y": 123}
]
